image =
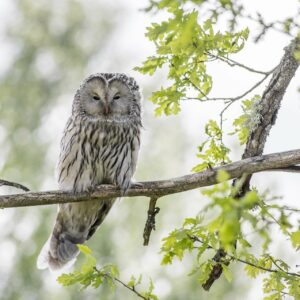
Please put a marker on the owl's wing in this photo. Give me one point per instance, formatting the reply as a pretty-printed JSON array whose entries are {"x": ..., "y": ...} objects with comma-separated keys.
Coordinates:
[
  {"x": 102, "y": 213},
  {"x": 135, "y": 147}
]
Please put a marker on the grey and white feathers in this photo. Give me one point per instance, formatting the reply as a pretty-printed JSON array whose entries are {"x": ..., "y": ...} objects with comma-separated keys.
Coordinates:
[{"x": 100, "y": 144}]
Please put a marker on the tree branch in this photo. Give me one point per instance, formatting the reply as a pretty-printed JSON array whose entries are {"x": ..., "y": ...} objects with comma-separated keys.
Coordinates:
[
  {"x": 231, "y": 100},
  {"x": 116, "y": 279},
  {"x": 130, "y": 288},
  {"x": 150, "y": 223},
  {"x": 14, "y": 184},
  {"x": 246, "y": 262},
  {"x": 271, "y": 100},
  {"x": 157, "y": 189},
  {"x": 233, "y": 63},
  {"x": 268, "y": 108}
]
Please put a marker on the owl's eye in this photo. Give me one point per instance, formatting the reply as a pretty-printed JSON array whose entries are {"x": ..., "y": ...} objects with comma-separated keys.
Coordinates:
[
  {"x": 116, "y": 97},
  {"x": 96, "y": 98}
]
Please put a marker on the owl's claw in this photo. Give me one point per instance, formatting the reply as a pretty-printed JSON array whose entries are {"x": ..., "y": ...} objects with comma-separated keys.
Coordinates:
[
  {"x": 90, "y": 189},
  {"x": 135, "y": 185}
]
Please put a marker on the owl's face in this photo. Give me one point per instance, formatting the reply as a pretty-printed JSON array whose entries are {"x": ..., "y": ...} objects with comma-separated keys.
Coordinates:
[{"x": 104, "y": 98}]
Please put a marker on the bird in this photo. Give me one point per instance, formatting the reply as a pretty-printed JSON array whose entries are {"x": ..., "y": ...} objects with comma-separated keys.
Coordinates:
[{"x": 100, "y": 145}]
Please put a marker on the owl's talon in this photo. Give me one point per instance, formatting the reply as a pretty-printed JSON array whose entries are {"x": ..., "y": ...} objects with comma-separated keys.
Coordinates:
[
  {"x": 90, "y": 189},
  {"x": 104, "y": 186},
  {"x": 135, "y": 185}
]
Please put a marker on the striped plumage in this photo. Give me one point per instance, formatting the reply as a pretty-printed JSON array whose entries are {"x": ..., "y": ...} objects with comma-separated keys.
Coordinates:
[{"x": 100, "y": 144}]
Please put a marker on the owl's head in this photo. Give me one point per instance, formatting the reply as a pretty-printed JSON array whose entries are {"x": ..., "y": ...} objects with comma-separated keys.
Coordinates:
[{"x": 108, "y": 96}]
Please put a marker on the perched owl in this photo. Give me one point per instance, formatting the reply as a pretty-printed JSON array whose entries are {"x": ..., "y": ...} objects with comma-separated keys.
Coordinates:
[{"x": 100, "y": 144}]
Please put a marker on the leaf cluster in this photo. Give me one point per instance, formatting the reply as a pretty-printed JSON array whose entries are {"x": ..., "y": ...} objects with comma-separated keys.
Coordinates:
[
  {"x": 226, "y": 234},
  {"x": 90, "y": 275},
  {"x": 212, "y": 151},
  {"x": 183, "y": 44}
]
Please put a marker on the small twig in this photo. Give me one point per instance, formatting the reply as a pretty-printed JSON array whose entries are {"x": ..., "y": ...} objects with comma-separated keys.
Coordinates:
[
  {"x": 231, "y": 100},
  {"x": 257, "y": 84},
  {"x": 195, "y": 238},
  {"x": 222, "y": 115},
  {"x": 233, "y": 63},
  {"x": 275, "y": 263},
  {"x": 262, "y": 268},
  {"x": 14, "y": 184},
  {"x": 287, "y": 208},
  {"x": 282, "y": 292},
  {"x": 197, "y": 88},
  {"x": 266, "y": 27},
  {"x": 131, "y": 288},
  {"x": 150, "y": 223},
  {"x": 261, "y": 206},
  {"x": 265, "y": 226}
]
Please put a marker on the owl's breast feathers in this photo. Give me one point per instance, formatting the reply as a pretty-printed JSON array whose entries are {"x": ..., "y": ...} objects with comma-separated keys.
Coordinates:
[{"x": 94, "y": 152}]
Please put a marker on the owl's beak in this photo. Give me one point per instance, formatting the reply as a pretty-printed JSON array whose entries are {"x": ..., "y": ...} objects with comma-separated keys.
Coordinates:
[
  {"x": 106, "y": 106},
  {"x": 106, "y": 109}
]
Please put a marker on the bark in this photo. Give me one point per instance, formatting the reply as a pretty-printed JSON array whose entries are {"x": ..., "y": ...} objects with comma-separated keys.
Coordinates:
[{"x": 282, "y": 161}]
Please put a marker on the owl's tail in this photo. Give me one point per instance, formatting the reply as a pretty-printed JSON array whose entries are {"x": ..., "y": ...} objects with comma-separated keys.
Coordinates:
[
  {"x": 60, "y": 250},
  {"x": 46, "y": 259}
]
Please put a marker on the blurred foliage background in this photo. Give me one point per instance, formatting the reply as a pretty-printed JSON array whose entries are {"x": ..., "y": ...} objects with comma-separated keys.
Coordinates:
[
  {"x": 54, "y": 45},
  {"x": 50, "y": 46}
]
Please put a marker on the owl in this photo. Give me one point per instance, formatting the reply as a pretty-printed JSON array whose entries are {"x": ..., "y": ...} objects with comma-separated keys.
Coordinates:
[{"x": 100, "y": 145}]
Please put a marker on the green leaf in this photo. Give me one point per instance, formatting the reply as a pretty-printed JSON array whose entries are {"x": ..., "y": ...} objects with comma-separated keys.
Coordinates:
[
  {"x": 151, "y": 65},
  {"x": 227, "y": 273},
  {"x": 84, "y": 249},
  {"x": 182, "y": 44},
  {"x": 205, "y": 270},
  {"x": 132, "y": 281},
  {"x": 250, "y": 200},
  {"x": 229, "y": 232},
  {"x": 189, "y": 221},
  {"x": 295, "y": 238},
  {"x": 252, "y": 271},
  {"x": 212, "y": 151},
  {"x": 222, "y": 176},
  {"x": 149, "y": 294},
  {"x": 244, "y": 243}
]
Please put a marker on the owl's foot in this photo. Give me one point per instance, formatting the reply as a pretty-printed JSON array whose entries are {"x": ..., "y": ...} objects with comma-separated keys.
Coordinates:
[
  {"x": 130, "y": 185},
  {"x": 85, "y": 189},
  {"x": 136, "y": 185},
  {"x": 103, "y": 187},
  {"x": 90, "y": 189}
]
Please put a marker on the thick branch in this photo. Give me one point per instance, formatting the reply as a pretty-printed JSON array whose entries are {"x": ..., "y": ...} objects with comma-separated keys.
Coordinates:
[
  {"x": 268, "y": 109},
  {"x": 150, "y": 223},
  {"x": 271, "y": 100},
  {"x": 281, "y": 160}
]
